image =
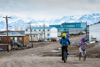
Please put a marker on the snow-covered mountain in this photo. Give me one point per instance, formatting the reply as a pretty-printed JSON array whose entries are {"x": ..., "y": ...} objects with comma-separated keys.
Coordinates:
[{"x": 19, "y": 21}]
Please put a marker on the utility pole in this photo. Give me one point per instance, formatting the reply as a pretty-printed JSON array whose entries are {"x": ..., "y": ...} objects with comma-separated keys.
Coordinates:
[
  {"x": 86, "y": 28},
  {"x": 81, "y": 27},
  {"x": 7, "y": 32},
  {"x": 30, "y": 32},
  {"x": 76, "y": 29},
  {"x": 44, "y": 31}
]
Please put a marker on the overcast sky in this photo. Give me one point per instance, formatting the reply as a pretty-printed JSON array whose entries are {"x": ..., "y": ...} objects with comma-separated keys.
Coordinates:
[{"x": 47, "y": 9}]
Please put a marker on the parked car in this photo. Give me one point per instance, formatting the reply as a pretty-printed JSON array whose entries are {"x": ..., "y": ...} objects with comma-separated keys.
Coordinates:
[{"x": 53, "y": 39}]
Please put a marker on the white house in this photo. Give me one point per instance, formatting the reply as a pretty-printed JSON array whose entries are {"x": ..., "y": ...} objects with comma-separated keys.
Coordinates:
[
  {"x": 94, "y": 32},
  {"x": 19, "y": 28},
  {"x": 38, "y": 33}
]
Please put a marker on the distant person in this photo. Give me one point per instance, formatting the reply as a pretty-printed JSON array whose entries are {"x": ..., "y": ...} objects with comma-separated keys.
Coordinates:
[
  {"x": 82, "y": 46},
  {"x": 64, "y": 42}
]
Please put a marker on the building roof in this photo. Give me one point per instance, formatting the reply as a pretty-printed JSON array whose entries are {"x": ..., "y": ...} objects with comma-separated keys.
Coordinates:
[
  {"x": 94, "y": 24},
  {"x": 72, "y": 28},
  {"x": 39, "y": 27},
  {"x": 3, "y": 44},
  {"x": 72, "y": 23},
  {"x": 12, "y": 33},
  {"x": 69, "y": 23},
  {"x": 34, "y": 33},
  {"x": 56, "y": 24}
]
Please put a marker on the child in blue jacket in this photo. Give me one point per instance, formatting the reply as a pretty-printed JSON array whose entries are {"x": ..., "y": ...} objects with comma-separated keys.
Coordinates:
[{"x": 64, "y": 42}]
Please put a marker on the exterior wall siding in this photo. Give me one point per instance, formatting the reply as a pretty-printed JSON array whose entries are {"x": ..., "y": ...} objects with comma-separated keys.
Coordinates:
[
  {"x": 4, "y": 39},
  {"x": 4, "y": 47},
  {"x": 38, "y": 34},
  {"x": 26, "y": 40},
  {"x": 94, "y": 31}
]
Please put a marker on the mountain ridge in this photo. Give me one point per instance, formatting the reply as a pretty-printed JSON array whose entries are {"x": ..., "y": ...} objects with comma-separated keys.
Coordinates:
[{"x": 19, "y": 21}]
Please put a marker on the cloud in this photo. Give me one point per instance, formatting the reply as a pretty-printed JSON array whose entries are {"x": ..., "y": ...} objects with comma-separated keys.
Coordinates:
[{"x": 49, "y": 8}]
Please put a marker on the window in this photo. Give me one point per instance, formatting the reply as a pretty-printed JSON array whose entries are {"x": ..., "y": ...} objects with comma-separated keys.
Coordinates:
[
  {"x": 78, "y": 25},
  {"x": 58, "y": 29},
  {"x": 15, "y": 38},
  {"x": 0, "y": 38},
  {"x": 26, "y": 30},
  {"x": 11, "y": 38},
  {"x": 64, "y": 29},
  {"x": 20, "y": 38},
  {"x": 34, "y": 30},
  {"x": 67, "y": 25},
  {"x": 39, "y": 30},
  {"x": 61, "y": 25},
  {"x": 48, "y": 34},
  {"x": 72, "y": 25}
]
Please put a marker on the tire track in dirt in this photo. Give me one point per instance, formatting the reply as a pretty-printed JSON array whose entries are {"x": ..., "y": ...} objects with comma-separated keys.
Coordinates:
[{"x": 33, "y": 58}]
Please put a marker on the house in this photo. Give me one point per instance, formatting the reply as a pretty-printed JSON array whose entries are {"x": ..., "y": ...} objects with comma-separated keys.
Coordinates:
[
  {"x": 41, "y": 33},
  {"x": 94, "y": 32},
  {"x": 71, "y": 28},
  {"x": 17, "y": 38},
  {"x": 19, "y": 28}
]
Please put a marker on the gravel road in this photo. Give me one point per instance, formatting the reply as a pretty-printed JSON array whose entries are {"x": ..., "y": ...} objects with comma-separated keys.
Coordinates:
[{"x": 33, "y": 57}]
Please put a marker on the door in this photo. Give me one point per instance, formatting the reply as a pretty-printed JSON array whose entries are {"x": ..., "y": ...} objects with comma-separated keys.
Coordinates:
[{"x": 15, "y": 38}]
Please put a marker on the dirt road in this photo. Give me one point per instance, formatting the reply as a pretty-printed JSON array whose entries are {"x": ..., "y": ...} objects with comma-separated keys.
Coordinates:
[{"x": 34, "y": 58}]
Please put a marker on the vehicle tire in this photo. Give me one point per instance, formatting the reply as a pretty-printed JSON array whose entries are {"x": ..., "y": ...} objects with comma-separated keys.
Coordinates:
[
  {"x": 65, "y": 56},
  {"x": 84, "y": 57},
  {"x": 80, "y": 56}
]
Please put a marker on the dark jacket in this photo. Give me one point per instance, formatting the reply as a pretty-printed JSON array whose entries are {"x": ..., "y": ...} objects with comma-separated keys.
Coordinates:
[{"x": 65, "y": 41}]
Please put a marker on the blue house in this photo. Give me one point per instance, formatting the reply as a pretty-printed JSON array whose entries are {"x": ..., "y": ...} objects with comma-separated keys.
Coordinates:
[{"x": 71, "y": 28}]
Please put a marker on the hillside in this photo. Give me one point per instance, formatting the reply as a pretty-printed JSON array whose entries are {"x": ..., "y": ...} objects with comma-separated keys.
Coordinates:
[{"x": 20, "y": 21}]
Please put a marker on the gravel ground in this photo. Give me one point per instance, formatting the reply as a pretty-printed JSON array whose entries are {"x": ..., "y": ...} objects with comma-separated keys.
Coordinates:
[{"x": 33, "y": 57}]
